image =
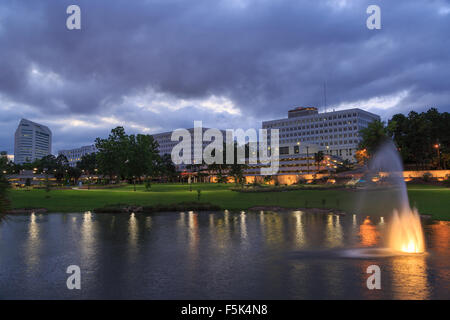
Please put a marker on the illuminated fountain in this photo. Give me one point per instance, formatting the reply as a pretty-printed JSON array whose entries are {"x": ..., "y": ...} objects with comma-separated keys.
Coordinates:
[
  {"x": 389, "y": 197},
  {"x": 405, "y": 232},
  {"x": 405, "y": 229}
]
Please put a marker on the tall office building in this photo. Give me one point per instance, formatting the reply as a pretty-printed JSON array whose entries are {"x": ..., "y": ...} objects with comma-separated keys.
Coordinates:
[
  {"x": 335, "y": 133},
  {"x": 166, "y": 144},
  {"x": 75, "y": 155},
  {"x": 31, "y": 141}
]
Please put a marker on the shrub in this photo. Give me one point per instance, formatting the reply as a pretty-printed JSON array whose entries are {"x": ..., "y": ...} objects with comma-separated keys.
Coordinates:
[
  {"x": 47, "y": 185},
  {"x": 4, "y": 201},
  {"x": 268, "y": 179},
  {"x": 427, "y": 177},
  {"x": 28, "y": 182},
  {"x": 148, "y": 185},
  {"x": 447, "y": 181}
]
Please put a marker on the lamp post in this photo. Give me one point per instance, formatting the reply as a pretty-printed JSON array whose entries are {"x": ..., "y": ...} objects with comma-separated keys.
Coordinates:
[{"x": 436, "y": 146}]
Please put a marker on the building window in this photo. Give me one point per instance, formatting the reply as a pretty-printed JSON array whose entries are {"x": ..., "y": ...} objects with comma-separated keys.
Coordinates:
[{"x": 284, "y": 150}]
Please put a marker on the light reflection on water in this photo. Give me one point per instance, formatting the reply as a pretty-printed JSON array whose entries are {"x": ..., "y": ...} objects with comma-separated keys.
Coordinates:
[
  {"x": 410, "y": 277},
  {"x": 334, "y": 232},
  {"x": 88, "y": 237},
  {"x": 299, "y": 232},
  {"x": 133, "y": 236},
  {"x": 33, "y": 244},
  {"x": 217, "y": 255},
  {"x": 369, "y": 234}
]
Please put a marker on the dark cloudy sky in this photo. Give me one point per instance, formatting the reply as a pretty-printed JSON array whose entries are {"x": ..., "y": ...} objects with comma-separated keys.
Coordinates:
[{"x": 157, "y": 65}]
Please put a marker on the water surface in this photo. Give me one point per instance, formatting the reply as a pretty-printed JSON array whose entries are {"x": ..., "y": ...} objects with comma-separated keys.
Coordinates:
[{"x": 218, "y": 255}]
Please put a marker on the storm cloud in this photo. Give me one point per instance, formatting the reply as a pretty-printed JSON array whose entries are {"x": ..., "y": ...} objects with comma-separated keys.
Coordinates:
[{"x": 158, "y": 65}]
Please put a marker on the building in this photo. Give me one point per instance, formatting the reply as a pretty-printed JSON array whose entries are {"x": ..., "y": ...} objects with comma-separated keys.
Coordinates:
[
  {"x": 31, "y": 141},
  {"x": 75, "y": 155},
  {"x": 166, "y": 144},
  {"x": 335, "y": 133},
  {"x": 298, "y": 159}
]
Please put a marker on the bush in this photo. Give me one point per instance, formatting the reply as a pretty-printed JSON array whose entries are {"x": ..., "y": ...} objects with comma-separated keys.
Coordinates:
[
  {"x": 427, "y": 177},
  {"x": 268, "y": 179},
  {"x": 446, "y": 182},
  {"x": 28, "y": 183},
  {"x": 148, "y": 185},
  {"x": 4, "y": 201},
  {"x": 288, "y": 188}
]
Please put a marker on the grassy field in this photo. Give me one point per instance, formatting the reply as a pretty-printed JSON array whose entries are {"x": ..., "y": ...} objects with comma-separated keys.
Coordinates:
[{"x": 428, "y": 199}]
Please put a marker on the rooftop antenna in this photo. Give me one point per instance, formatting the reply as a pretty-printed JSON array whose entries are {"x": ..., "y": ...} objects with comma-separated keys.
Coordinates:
[{"x": 325, "y": 95}]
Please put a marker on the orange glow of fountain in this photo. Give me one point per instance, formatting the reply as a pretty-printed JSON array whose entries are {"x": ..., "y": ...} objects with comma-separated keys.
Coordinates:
[{"x": 405, "y": 233}]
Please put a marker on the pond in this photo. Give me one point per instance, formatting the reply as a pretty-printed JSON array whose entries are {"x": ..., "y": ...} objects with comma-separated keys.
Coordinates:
[{"x": 213, "y": 255}]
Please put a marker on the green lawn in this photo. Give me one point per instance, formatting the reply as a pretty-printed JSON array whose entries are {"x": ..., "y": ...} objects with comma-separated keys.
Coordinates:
[{"x": 428, "y": 199}]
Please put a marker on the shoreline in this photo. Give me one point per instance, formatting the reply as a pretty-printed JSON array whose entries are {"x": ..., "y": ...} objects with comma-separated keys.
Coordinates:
[{"x": 183, "y": 207}]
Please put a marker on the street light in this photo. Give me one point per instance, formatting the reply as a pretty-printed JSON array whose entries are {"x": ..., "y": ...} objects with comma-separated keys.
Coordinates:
[{"x": 436, "y": 146}]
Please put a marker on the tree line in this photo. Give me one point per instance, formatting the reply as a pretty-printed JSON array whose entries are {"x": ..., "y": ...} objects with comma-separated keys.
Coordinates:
[
  {"x": 119, "y": 157},
  {"x": 4, "y": 186},
  {"x": 422, "y": 139},
  {"x": 129, "y": 157}
]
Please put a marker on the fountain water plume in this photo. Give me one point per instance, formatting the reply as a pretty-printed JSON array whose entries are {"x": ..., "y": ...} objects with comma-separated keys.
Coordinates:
[{"x": 405, "y": 230}]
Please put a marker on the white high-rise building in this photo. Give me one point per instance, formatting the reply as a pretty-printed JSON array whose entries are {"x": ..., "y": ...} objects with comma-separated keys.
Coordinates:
[
  {"x": 31, "y": 141},
  {"x": 75, "y": 155},
  {"x": 335, "y": 133}
]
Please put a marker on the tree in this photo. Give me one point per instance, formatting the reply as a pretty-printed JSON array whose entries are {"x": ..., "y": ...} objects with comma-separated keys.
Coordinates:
[
  {"x": 28, "y": 183},
  {"x": 142, "y": 158},
  {"x": 398, "y": 129},
  {"x": 373, "y": 136},
  {"x": 113, "y": 154},
  {"x": 88, "y": 163},
  {"x": 62, "y": 166},
  {"x": 4, "y": 186},
  {"x": 47, "y": 184},
  {"x": 74, "y": 174},
  {"x": 416, "y": 135},
  {"x": 220, "y": 169},
  {"x": 237, "y": 172},
  {"x": 50, "y": 163},
  {"x": 318, "y": 157},
  {"x": 130, "y": 157},
  {"x": 167, "y": 168},
  {"x": 445, "y": 158}
]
